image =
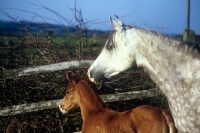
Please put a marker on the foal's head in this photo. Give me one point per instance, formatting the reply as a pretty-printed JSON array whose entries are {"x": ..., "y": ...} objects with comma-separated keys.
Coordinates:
[{"x": 72, "y": 97}]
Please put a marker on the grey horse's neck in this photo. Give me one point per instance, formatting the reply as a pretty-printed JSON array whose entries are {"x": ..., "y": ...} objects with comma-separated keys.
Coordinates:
[
  {"x": 174, "y": 67},
  {"x": 170, "y": 63}
]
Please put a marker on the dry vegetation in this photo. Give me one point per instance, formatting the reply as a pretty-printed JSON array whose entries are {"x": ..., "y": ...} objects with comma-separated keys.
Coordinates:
[
  {"x": 39, "y": 48},
  {"x": 50, "y": 86}
]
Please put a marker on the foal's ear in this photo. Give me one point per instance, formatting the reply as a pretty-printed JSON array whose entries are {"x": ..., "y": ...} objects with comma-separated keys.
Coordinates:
[{"x": 72, "y": 77}]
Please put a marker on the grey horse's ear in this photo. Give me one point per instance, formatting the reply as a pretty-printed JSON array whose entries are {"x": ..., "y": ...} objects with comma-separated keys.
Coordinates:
[
  {"x": 119, "y": 21},
  {"x": 117, "y": 25}
]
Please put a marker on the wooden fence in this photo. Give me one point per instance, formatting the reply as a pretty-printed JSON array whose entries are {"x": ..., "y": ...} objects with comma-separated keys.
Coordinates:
[
  {"x": 46, "y": 68},
  {"x": 25, "y": 108}
]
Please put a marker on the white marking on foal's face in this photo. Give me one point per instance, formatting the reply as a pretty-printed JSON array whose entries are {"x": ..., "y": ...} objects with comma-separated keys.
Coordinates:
[
  {"x": 63, "y": 110},
  {"x": 69, "y": 101}
]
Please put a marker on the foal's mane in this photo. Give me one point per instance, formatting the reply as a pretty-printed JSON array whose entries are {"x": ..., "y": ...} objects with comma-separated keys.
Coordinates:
[{"x": 91, "y": 86}]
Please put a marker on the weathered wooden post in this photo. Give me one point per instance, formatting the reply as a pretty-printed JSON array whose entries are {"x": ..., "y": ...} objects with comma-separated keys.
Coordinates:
[
  {"x": 188, "y": 15},
  {"x": 188, "y": 34}
]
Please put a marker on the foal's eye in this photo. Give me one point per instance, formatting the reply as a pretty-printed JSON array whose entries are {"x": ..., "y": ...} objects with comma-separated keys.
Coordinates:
[{"x": 68, "y": 92}]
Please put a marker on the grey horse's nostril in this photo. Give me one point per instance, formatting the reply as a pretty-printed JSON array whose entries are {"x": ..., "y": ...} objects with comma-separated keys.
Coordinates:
[
  {"x": 88, "y": 73},
  {"x": 90, "y": 76}
]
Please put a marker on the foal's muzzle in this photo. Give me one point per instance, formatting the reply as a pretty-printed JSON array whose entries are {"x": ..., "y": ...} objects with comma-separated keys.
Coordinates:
[{"x": 64, "y": 111}]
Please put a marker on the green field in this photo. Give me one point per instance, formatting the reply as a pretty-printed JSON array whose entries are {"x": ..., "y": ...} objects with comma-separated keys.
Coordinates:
[{"x": 24, "y": 51}]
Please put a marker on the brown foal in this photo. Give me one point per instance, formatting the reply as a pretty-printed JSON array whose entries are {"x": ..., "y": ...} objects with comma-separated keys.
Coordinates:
[{"x": 97, "y": 118}]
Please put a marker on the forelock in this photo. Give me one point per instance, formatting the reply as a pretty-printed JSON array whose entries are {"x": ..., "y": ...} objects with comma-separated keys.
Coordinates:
[{"x": 110, "y": 44}]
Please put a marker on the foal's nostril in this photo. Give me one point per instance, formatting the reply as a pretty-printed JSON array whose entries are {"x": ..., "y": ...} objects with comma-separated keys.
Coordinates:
[{"x": 60, "y": 106}]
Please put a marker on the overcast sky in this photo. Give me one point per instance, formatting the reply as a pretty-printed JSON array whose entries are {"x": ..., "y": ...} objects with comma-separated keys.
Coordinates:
[{"x": 166, "y": 16}]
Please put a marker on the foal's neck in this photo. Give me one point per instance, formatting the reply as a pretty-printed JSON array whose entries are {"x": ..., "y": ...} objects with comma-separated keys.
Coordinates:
[{"x": 90, "y": 103}]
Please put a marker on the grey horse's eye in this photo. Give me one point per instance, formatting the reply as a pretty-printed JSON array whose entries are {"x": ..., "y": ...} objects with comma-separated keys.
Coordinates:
[
  {"x": 110, "y": 44},
  {"x": 109, "y": 47}
]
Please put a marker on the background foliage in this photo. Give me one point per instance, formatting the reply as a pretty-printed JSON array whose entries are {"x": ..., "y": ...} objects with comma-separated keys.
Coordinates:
[{"x": 27, "y": 44}]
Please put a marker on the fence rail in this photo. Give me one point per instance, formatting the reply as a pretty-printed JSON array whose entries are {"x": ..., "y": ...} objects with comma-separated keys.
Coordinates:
[
  {"x": 51, "y": 104},
  {"x": 46, "y": 68},
  {"x": 25, "y": 108}
]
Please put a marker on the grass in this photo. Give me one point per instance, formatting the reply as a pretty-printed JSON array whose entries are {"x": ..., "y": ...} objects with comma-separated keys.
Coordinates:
[{"x": 28, "y": 52}]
